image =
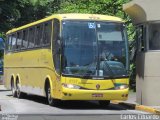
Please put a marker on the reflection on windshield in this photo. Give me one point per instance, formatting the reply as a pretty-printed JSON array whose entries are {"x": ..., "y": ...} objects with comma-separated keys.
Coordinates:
[{"x": 94, "y": 48}]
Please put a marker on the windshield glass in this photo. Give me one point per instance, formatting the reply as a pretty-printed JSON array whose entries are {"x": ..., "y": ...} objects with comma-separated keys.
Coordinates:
[{"x": 94, "y": 48}]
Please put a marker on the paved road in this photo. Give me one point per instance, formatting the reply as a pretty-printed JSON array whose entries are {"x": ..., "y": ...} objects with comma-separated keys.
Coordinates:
[{"x": 37, "y": 106}]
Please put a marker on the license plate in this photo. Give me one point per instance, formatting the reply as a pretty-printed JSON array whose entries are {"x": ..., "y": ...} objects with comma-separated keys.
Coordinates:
[{"x": 97, "y": 95}]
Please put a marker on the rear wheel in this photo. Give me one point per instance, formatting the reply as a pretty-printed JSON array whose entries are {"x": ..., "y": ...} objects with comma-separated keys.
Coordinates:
[
  {"x": 104, "y": 103},
  {"x": 51, "y": 101},
  {"x": 14, "y": 94},
  {"x": 18, "y": 91}
]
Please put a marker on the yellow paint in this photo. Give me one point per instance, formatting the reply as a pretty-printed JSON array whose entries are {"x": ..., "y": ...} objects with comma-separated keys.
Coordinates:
[{"x": 89, "y": 85}]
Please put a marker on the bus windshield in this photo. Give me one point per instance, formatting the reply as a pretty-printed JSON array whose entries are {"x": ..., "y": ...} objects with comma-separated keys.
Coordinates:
[{"x": 94, "y": 48}]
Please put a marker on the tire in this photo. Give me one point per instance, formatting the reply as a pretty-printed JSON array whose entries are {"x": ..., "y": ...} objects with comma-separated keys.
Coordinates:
[
  {"x": 51, "y": 101},
  {"x": 18, "y": 91},
  {"x": 13, "y": 89},
  {"x": 104, "y": 103}
]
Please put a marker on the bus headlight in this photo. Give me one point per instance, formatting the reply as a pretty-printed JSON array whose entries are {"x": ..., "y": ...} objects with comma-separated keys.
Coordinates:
[
  {"x": 71, "y": 86},
  {"x": 121, "y": 87}
]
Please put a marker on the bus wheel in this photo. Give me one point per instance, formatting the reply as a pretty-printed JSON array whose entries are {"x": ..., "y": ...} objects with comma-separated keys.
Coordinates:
[
  {"x": 19, "y": 93},
  {"x": 104, "y": 103},
  {"x": 13, "y": 89},
  {"x": 51, "y": 101}
]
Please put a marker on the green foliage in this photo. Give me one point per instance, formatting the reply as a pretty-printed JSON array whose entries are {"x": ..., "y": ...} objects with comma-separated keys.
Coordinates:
[
  {"x": 15, "y": 13},
  {"x": 2, "y": 35},
  {"x": 106, "y": 7}
]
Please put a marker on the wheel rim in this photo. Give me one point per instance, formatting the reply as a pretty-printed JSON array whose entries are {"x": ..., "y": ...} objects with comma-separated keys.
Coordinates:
[
  {"x": 49, "y": 95},
  {"x": 13, "y": 90},
  {"x": 18, "y": 90}
]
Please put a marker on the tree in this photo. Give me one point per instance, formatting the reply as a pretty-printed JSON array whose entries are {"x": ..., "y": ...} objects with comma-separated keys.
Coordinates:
[
  {"x": 15, "y": 13},
  {"x": 106, "y": 7}
]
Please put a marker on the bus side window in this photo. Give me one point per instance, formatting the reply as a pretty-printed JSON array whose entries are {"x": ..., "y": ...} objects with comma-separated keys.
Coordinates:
[
  {"x": 19, "y": 40},
  {"x": 13, "y": 42},
  {"x": 56, "y": 45},
  {"x": 38, "y": 35},
  {"x": 47, "y": 33},
  {"x": 9, "y": 43},
  {"x": 31, "y": 37},
  {"x": 24, "y": 39}
]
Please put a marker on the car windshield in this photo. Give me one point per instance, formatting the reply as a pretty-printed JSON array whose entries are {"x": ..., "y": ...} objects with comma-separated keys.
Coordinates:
[{"x": 94, "y": 48}]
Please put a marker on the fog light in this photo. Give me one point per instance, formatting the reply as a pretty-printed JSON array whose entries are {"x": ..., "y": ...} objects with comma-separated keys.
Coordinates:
[
  {"x": 65, "y": 94},
  {"x": 123, "y": 95},
  {"x": 69, "y": 94}
]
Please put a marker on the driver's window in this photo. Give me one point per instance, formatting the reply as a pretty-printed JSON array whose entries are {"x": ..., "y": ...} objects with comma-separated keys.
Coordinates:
[{"x": 56, "y": 45}]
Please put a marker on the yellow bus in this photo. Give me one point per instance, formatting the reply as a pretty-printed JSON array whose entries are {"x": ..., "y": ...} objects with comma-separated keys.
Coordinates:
[{"x": 69, "y": 57}]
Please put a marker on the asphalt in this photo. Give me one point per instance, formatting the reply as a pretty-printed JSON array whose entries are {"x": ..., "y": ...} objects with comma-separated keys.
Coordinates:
[{"x": 130, "y": 103}]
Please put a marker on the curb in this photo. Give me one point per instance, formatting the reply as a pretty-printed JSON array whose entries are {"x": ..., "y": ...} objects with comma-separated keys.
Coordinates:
[{"x": 138, "y": 107}]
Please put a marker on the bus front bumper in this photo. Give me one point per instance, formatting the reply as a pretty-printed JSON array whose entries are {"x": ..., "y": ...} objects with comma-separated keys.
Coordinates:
[{"x": 76, "y": 94}]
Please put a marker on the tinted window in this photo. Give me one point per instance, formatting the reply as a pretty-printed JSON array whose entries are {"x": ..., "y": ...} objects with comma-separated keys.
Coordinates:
[
  {"x": 13, "y": 42},
  {"x": 24, "y": 39},
  {"x": 9, "y": 43},
  {"x": 47, "y": 33},
  {"x": 141, "y": 37},
  {"x": 154, "y": 36},
  {"x": 38, "y": 35},
  {"x": 89, "y": 47},
  {"x": 31, "y": 37},
  {"x": 19, "y": 40}
]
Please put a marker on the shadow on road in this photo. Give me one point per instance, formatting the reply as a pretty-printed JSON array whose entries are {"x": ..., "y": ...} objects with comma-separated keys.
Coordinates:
[
  {"x": 77, "y": 105},
  {"x": 4, "y": 90}
]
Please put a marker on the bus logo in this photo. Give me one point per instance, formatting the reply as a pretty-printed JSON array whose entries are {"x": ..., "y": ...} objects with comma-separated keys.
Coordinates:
[{"x": 97, "y": 86}]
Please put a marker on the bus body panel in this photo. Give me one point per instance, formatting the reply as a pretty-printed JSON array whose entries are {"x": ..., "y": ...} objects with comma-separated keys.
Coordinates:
[
  {"x": 88, "y": 89},
  {"x": 72, "y": 94},
  {"x": 33, "y": 67}
]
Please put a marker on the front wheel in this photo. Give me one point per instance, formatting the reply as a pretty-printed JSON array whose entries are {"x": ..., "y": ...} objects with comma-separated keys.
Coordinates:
[
  {"x": 51, "y": 101},
  {"x": 104, "y": 103}
]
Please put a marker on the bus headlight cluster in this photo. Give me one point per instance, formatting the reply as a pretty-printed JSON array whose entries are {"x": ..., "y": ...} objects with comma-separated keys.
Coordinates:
[
  {"x": 121, "y": 87},
  {"x": 71, "y": 86}
]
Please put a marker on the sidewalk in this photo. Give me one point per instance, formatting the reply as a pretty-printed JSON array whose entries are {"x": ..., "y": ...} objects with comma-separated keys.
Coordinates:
[
  {"x": 132, "y": 99},
  {"x": 2, "y": 87},
  {"x": 131, "y": 102},
  {"x": 1, "y": 80}
]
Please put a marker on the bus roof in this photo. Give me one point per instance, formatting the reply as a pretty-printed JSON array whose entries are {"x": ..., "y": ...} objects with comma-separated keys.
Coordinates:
[{"x": 70, "y": 16}]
